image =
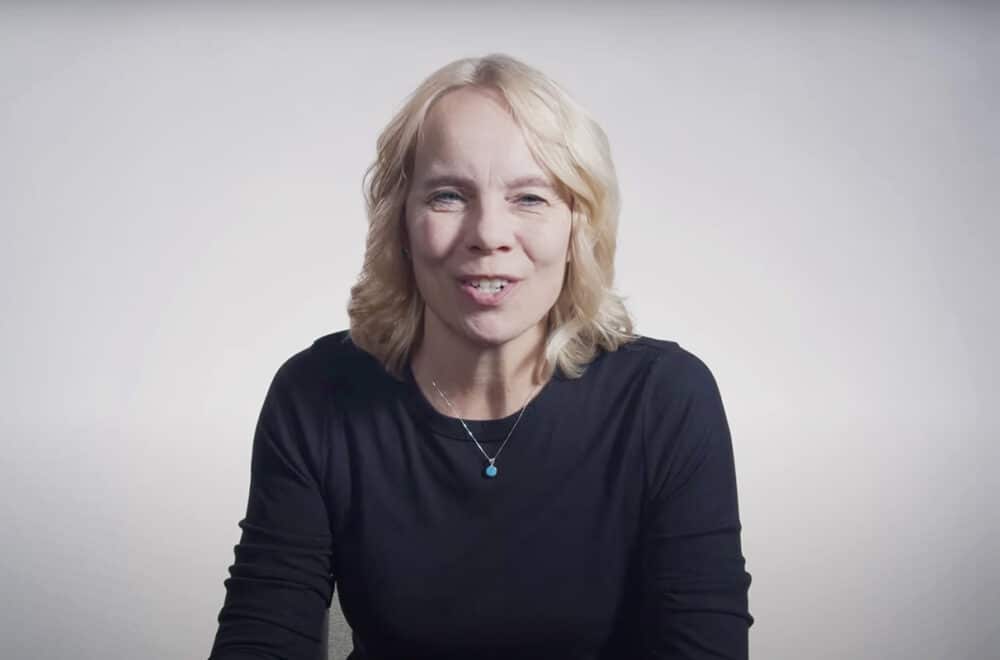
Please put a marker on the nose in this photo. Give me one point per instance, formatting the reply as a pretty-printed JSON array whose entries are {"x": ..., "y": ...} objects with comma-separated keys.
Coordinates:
[{"x": 489, "y": 227}]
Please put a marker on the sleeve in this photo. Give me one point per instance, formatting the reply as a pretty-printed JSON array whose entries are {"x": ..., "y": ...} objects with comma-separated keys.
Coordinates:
[
  {"x": 694, "y": 587},
  {"x": 281, "y": 583}
]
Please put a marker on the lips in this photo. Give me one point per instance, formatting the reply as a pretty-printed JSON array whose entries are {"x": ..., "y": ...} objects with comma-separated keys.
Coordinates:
[
  {"x": 485, "y": 298},
  {"x": 465, "y": 279}
]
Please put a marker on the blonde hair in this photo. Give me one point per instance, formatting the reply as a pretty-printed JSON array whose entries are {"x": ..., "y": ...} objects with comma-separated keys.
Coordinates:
[{"x": 386, "y": 309}]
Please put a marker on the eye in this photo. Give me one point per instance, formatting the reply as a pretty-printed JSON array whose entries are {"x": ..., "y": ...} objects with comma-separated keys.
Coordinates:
[
  {"x": 531, "y": 200},
  {"x": 445, "y": 198}
]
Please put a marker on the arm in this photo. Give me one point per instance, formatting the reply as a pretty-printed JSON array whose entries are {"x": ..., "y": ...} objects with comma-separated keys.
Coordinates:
[
  {"x": 281, "y": 583},
  {"x": 694, "y": 602}
]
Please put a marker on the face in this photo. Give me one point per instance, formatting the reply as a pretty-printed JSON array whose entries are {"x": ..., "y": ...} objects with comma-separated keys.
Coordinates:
[{"x": 480, "y": 205}]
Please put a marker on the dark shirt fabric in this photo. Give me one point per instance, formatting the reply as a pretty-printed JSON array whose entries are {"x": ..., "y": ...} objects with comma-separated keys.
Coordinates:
[{"x": 611, "y": 531}]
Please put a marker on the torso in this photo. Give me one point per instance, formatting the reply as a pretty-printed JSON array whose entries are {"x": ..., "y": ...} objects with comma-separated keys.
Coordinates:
[{"x": 434, "y": 559}]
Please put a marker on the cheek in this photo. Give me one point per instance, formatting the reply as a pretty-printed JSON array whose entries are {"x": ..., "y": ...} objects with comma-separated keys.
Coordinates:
[
  {"x": 429, "y": 237},
  {"x": 548, "y": 248}
]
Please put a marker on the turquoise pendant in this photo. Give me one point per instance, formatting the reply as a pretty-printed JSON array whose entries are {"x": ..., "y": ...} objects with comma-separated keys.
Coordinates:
[{"x": 491, "y": 470}]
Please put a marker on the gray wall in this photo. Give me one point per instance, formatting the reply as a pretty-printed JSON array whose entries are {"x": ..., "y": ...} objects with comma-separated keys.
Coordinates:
[{"x": 810, "y": 205}]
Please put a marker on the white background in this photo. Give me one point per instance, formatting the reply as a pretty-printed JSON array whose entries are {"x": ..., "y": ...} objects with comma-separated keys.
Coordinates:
[{"x": 810, "y": 205}]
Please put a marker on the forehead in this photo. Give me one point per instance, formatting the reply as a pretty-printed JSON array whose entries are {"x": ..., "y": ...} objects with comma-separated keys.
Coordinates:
[{"x": 471, "y": 131}]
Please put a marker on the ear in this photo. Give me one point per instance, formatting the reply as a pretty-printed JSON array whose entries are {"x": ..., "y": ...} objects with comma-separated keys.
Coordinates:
[
  {"x": 572, "y": 230},
  {"x": 404, "y": 236}
]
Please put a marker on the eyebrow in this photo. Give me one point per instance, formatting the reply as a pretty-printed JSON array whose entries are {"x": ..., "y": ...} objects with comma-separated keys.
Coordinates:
[{"x": 465, "y": 182}]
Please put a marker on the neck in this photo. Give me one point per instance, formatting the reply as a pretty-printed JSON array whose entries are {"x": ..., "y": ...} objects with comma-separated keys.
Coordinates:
[{"x": 482, "y": 382}]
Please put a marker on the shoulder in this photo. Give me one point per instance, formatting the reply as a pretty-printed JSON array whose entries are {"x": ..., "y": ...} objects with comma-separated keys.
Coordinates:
[
  {"x": 669, "y": 366},
  {"x": 331, "y": 362},
  {"x": 684, "y": 420}
]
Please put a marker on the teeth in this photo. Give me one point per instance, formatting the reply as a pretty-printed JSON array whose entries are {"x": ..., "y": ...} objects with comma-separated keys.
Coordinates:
[{"x": 490, "y": 285}]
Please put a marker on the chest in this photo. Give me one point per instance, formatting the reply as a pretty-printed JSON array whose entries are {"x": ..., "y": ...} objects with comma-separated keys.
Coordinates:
[{"x": 433, "y": 552}]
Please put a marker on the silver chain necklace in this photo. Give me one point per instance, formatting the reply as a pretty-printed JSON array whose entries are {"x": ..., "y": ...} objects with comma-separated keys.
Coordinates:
[{"x": 491, "y": 470}]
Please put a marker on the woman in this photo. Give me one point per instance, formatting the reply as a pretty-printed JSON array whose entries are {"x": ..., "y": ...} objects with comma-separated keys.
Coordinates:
[{"x": 490, "y": 463}]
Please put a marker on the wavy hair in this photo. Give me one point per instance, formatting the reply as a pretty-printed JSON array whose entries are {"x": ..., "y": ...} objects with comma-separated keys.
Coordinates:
[{"x": 386, "y": 309}]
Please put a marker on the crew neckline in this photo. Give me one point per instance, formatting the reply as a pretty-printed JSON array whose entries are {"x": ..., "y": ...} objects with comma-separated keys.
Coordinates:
[{"x": 485, "y": 430}]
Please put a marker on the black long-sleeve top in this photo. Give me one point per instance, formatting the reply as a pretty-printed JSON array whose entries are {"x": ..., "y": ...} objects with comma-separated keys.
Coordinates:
[{"x": 611, "y": 530}]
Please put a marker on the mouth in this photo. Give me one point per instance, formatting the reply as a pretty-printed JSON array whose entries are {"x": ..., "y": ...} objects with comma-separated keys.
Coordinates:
[{"x": 488, "y": 291}]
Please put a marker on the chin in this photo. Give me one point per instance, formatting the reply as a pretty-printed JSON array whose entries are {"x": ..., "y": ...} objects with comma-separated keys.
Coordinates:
[
  {"x": 493, "y": 334},
  {"x": 488, "y": 338}
]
